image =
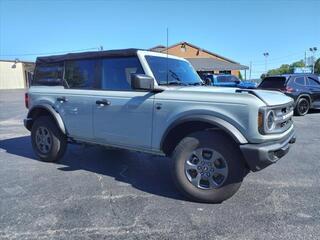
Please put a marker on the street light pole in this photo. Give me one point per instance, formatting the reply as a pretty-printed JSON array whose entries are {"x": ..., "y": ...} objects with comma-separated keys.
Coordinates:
[
  {"x": 313, "y": 50},
  {"x": 266, "y": 55}
]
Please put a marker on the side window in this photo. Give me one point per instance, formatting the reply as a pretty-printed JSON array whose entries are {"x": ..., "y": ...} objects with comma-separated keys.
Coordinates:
[
  {"x": 83, "y": 74},
  {"x": 116, "y": 72},
  {"x": 48, "y": 74},
  {"x": 300, "y": 81},
  {"x": 313, "y": 82},
  {"x": 223, "y": 79},
  {"x": 234, "y": 79}
]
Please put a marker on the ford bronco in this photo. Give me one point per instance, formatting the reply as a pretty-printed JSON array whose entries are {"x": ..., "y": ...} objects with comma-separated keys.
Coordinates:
[{"x": 156, "y": 103}]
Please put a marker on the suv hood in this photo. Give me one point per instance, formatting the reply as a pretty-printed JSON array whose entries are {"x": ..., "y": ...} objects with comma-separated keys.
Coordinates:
[{"x": 271, "y": 98}]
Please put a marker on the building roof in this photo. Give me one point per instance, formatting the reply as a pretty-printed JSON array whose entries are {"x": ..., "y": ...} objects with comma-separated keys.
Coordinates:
[
  {"x": 16, "y": 61},
  {"x": 88, "y": 55},
  {"x": 158, "y": 48},
  {"x": 211, "y": 64},
  {"x": 161, "y": 48}
]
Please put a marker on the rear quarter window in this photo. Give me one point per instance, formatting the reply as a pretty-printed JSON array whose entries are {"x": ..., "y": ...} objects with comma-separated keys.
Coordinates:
[
  {"x": 48, "y": 74},
  {"x": 300, "y": 81},
  {"x": 83, "y": 74},
  {"x": 273, "y": 82}
]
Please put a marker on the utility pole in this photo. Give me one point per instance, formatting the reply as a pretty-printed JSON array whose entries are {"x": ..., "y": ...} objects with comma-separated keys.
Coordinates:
[
  {"x": 266, "y": 55},
  {"x": 313, "y": 50},
  {"x": 305, "y": 58},
  {"x": 250, "y": 70}
]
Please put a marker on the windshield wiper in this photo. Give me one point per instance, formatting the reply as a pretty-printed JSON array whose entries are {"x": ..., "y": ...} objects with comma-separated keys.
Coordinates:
[
  {"x": 174, "y": 75},
  {"x": 196, "y": 84},
  {"x": 177, "y": 83},
  {"x": 174, "y": 83}
]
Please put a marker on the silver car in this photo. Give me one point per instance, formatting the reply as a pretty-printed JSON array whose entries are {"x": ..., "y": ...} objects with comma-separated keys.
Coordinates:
[{"x": 150, "y": 102}]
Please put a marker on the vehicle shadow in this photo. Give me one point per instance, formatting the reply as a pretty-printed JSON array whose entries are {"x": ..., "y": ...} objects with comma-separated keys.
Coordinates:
[
  {"x": 314, "y": 111},
  {"x": 145, "y": 172}
]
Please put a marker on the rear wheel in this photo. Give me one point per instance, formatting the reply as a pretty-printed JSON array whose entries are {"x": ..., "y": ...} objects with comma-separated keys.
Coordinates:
[
  {"x": 208, "y": 166},
  {"x": 48, "y": 142},
  {"x": 302, "y": 107}
]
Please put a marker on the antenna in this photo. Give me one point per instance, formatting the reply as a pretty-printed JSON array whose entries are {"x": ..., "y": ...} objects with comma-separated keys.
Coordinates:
[{"x": 167, "y": 56}]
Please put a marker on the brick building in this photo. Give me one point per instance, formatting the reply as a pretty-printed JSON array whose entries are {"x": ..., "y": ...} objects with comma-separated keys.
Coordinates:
[{"x": 202, "y": 60}]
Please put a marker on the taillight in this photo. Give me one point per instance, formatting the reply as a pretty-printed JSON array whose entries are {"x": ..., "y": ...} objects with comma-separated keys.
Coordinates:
[
  {"x": 26, "y": 100},
  {"x": 289, "y": 89}
]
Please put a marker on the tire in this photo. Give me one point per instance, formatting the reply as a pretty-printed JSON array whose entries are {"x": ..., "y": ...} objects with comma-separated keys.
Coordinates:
[
  {"x": 48, "y": 142},
  {"x": 302, "y": 107},
  {"x": 226, "y": 149}
]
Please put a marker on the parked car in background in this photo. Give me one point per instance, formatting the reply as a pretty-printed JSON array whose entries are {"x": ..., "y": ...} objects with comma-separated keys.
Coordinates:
[
  {"x": 303, "y": 88},
  {"x": 227, "y": 80}
]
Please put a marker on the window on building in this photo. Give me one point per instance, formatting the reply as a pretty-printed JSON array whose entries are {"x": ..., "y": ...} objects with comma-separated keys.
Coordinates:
[
  {"x": 83, "y": 74},
  {"x": 48, "y": 74},
  {"x": 224, "y": 72},
  {"x": 116, "y": 72}
]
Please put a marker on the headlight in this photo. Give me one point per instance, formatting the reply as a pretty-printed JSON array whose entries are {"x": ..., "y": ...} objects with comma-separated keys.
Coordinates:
[
  {"x": 270, "y": 120},
  {"x": 275, "y": 119}
]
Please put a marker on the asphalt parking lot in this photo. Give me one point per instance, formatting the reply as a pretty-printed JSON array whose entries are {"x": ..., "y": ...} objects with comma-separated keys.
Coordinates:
[{"x": 98, "y": 193}]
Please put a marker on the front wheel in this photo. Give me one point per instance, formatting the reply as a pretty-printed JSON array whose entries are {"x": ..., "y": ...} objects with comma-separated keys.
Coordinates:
[
  {"x": 48, "y": 142},
  {"x": 208, "y": 166},
  {"x": 302, "y": 107}
]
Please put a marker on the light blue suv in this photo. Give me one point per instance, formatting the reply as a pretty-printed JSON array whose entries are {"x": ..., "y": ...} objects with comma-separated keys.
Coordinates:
[{"x": 150, "y": 102}]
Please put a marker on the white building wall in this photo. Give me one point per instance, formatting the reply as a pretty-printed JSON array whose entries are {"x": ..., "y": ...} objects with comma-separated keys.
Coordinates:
[{"x": 11, "y": 77}]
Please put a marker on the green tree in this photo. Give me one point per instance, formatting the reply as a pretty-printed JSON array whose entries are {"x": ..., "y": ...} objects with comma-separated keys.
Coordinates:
[
  {"x": 286, "y": 68},
  {"x": 283, "y": 69},
  {"x": 296, "y": 64},
  {"x": 317, "y": 67},
  {"x": 263, "y": 75}
]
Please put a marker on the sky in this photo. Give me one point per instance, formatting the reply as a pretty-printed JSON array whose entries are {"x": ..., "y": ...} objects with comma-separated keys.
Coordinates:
[{"x": 238, "y": 29}]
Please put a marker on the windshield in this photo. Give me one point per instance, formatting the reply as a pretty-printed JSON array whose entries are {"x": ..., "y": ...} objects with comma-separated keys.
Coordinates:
[
  {"x": 273, "y": 82},
  {"x": 173, "y": 71}
]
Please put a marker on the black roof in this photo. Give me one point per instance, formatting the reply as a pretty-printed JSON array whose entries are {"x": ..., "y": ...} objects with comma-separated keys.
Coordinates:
[
  {"x": 288, "y": 75},
  {"x": 87, "y": 55}
]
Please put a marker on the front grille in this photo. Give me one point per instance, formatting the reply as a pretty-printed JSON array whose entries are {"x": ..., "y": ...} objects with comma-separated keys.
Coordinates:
[{"x": 283, "y": 118}]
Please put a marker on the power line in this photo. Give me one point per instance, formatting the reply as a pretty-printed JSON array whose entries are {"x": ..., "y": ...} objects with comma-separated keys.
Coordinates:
[{"x": 49, "y": 53}]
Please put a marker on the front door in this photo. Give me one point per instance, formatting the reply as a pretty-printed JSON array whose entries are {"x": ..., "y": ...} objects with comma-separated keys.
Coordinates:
[{"x": 121, "y": 115}]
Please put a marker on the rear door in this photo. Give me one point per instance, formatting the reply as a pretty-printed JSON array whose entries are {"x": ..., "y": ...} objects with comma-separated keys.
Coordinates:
[
  {"x": 122, "y": 116},
  {"x": 75, "y": 101},
  {"x": 314, "y": 87}
]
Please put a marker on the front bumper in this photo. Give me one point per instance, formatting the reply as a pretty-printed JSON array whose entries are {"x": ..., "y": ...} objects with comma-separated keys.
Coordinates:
[{"x": 259, "y": 156}]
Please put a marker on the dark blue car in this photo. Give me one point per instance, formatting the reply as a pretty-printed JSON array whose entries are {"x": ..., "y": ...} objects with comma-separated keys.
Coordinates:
[{"x": 227, "y": 80}]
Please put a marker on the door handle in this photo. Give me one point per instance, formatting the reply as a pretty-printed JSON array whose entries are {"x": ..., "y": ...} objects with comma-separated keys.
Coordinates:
[
  {"x": 103, "y": 102},
  {"x": 62, "y": 99}
]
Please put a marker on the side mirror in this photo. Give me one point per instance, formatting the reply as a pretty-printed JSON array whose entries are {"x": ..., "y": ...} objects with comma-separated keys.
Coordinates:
[
  {"x": 207, "y": 81},
  {"x": 142, "y": 82}
]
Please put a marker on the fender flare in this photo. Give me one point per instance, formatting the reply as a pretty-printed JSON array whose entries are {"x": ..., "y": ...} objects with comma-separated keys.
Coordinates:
[
  {"x": 52, "y": 111},
  {"x": 306, "y": 96},
  {"x": 220, "y": 123}
]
